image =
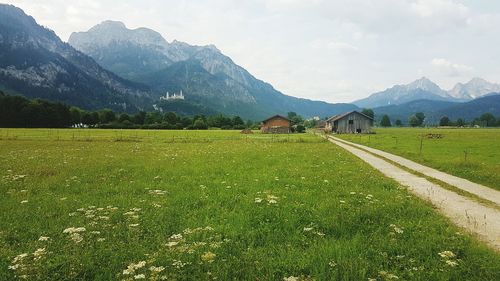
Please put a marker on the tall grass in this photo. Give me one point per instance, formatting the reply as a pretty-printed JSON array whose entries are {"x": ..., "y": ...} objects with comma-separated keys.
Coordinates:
[
  {"x": 216, "y": 206},
  {"x": 473, "y": 154}
]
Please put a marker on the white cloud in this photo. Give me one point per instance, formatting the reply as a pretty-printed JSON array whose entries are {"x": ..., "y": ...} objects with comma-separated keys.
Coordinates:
[
  {"x": 339, "y": 47},
  {"x": 451, "y": 69},
  {"x": 337, "y": 50},
  {"x": 429, "y": 8}
]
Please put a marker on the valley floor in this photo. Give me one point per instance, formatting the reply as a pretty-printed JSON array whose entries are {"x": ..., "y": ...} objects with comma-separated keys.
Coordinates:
[
  {"x": 206, "y": 205},
  {"x": 472, "y": 154},
  {"x": 467, "y": 210}
]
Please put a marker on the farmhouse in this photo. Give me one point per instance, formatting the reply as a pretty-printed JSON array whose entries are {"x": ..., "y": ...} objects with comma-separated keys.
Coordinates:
[
  {"x": 349, "y": 123},
  {"x": 276, "y": 124}
]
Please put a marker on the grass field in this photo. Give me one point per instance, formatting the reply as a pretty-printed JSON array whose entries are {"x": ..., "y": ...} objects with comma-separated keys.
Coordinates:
[
  {"x": 215, "y": 205},
  {"x": 473, "y": 154}
]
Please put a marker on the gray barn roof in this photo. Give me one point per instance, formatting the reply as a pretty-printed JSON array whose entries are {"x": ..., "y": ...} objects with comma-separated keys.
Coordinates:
[{"x": 340, "y": 116}]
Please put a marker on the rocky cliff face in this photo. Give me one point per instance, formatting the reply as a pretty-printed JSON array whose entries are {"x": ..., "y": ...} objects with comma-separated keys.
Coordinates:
[
  {"x": 203, "y": 73},
  {"x": 36, "y": 63},
  {"x": 475, "y": 88}
]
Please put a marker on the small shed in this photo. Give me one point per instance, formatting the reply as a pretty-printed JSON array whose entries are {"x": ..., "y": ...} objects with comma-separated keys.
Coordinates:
[
  {"x": 349, "y": 123},
  {"x": 276, "y": 124}
]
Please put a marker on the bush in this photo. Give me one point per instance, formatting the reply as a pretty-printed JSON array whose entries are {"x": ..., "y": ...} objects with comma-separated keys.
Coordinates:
[{"x": 300, "y": 129}]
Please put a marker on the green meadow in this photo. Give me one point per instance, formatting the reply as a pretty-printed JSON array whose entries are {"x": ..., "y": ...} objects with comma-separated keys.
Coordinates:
[
  {"x": 473, "y": 154},
  {"x": 218, "y": 205}
]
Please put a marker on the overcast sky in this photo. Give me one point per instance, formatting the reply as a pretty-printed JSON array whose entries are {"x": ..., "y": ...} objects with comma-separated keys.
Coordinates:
[{"x": 332, "y": 50}]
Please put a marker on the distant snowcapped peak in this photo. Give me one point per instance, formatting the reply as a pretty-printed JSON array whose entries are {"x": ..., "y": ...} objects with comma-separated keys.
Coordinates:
[{"x": 426, "y": 84}]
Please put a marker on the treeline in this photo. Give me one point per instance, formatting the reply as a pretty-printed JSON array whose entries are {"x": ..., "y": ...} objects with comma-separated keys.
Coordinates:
[
  {"x": 418, "y": 120},
  {"x": 485, "y": 120},
  {"x": 20, "y": 112}
]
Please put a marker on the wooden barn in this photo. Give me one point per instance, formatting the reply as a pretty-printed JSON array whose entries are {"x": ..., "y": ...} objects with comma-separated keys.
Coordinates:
[
  {"x": 276, "y": 124},
  {"x": 349, "y": 123}
]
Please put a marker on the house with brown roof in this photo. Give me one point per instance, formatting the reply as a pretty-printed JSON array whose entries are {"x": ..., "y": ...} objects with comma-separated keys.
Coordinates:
[
  {"x": 349, "y": 123},
  {"x": 276, "y": 124}
]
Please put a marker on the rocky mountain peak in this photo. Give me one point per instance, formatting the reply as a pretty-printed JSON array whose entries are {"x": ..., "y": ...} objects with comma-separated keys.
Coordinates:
[
  {"x": 109, "y": 32},
  {"x": 476, "y": 87},
  {"x": 426, "y": 84},
  {"x": 109, "y": 25}
]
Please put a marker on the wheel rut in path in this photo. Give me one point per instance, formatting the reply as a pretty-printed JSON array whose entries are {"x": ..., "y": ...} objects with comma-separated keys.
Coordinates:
[
  {"x": 464, "y": 212},
  {"x": 460, "y": 183}
]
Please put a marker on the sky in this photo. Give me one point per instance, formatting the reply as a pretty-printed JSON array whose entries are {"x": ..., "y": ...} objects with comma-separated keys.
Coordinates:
[{"x": 331, "y": 50}]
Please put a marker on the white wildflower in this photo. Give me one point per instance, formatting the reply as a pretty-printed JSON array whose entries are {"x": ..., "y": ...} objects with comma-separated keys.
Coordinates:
[
  {"x": 451, "y": 263},
  {"x": 176, "y": 237},
  {"x": 157, "y": 268},
  {"x": 38, "y": 253},
  {"x": 76, "y": 237},
  {"x": 446, "y": 254},
  {"x": 71, "y": 230},
  {"x": 43, "y": 238},
  {"x": 208, "y": 257},
  {"x": 258, "y": 200},
  {"x": 19, "y": 257},
  {"x": 172, "y": 243},
  {"x": 140, "y": 276}
]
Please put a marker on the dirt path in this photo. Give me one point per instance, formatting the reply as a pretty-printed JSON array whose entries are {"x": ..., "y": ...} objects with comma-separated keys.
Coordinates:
[
  {"x": 464, "y": 212},
  {"x": 460, "y": 183}
]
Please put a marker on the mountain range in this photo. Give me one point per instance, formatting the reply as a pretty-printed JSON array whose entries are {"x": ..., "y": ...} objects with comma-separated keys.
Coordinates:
[
  {"x": 127, "y": 70},
  {"x": 434, "y": 109},
  {"x": 203, "y": 73},
  {"x": 34, "y": 62},
  {"x": 425, "y": 89}
]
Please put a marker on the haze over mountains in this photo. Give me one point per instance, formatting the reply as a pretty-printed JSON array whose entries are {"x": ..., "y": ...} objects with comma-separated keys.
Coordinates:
[
  {"x": 203, "y": 73},
  {"x": 111, "y": 66},
  {"x": 36, "y": 63},
  {"x": 426, "y": 89}
]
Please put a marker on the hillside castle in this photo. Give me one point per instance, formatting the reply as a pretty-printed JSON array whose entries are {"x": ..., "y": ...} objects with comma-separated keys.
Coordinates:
[{"x": 175, "y": 96}]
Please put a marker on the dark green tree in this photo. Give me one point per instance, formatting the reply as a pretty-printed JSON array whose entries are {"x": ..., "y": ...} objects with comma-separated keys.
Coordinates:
[
  {"x": 414, "y": 121},
  {"x": 386, "y": 121},
  {"x": 139, "y": 118},
  {"x": 295, "y": 119},
  {"x": 421, "y": 118},
  {"x": 94, "y": 118},
  {"x": 488, "y": 119},
  {"x": 368, "y": 112},
  {"x": 106, "y": 116},
  {"x": 171, "y": 118},
  {"x": 154, "y": 117},
  {"x": 460, "y": 122},
  {"x": 125, "y": 117},
  {"x": 200, "y": 124},
  {"x": 87, "y": 119},
  {"x": 300, "y": 128},
  {"x": 399, "y": 123},
  {"x": 445, "y": 121},
  {"x": 238, "y": 123},
  {"x": 76, "y": 114}
]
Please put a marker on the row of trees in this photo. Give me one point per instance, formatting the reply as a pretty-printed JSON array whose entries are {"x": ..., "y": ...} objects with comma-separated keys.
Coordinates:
[
  {"x": 20, "y": 112},
  {"x": 485, "y": 120},
  {"x": 417, "y": 120}
]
